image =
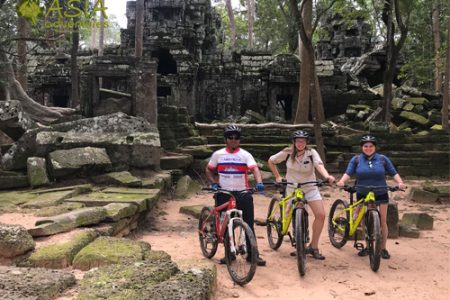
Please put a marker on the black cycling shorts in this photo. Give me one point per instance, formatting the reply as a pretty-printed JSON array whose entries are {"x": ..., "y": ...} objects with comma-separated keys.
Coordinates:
[{"x": 379, "y": 199}]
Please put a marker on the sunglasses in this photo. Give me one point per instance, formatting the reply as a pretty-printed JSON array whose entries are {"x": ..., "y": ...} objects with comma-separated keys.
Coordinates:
[{"x": 234, "y": 137}]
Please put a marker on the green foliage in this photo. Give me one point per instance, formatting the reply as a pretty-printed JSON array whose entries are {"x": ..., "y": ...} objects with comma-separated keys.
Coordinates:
[{"x": 271, "y": 27}]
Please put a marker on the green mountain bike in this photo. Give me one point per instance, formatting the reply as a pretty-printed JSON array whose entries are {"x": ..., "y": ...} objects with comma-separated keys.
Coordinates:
[
  {"x": 344, "y": 219},
  {"x": 280, "y": 214}
]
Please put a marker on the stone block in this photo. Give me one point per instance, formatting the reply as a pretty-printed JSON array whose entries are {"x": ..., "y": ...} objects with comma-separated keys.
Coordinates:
[
  {"x": 37, "y": 171},
  {"x": 419, "y": 220},
  {"x": 79, "y": 160},
  {"x": 14, "y": 240},
  {"x": 421, "y": 196},
  {"x": 392, "y": 220},
  {"x": 409, "y": 231}
]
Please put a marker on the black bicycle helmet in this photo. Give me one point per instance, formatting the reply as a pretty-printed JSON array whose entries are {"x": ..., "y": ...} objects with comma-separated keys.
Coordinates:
[
  {"x": 368, "y": 139},
  {"x": 300, "y": 134},
  {"x": 232, "y": 129}
]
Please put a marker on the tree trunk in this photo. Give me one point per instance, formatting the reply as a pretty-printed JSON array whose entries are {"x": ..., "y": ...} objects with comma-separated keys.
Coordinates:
[
  {"x": 316, "y": 97},
  {"x": 445, "y": 100},
  {"x": 101, "y": 36},
  {"x": 302, "y": 113},
  {"x": 94, "y": 32},
  {"x": 36, "y": 111},
  {"x": 437, "y": 46},
  {"x": 138, "y": 39},
  {"x": 250, "y": 17},
  {"x": 22, "y": 32},
  {"x": 387, "y": 82},
  {"x": 75, "y": 97},
  {"x": 392, "y": 51},
  {"x": 232, "y": 24}
]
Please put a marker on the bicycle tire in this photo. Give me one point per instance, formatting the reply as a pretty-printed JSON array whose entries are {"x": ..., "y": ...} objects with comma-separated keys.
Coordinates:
[
  {"x": 374, "y": 238},
  {"x": 207, "y": 232},
  {"x": 274, "y": 224},
  {"x": 338, "y": 223},
  {"x": 242, "y": 264},
  {"x": 300, "y": 232}
]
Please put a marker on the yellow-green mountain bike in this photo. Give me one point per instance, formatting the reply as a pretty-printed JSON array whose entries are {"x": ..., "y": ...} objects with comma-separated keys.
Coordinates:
[
  {"x": 344, "y": 219},
  {"x": 280, "y": 214}
]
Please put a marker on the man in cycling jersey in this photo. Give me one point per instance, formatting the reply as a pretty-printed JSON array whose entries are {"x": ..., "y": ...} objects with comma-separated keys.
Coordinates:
[{"x": 232, "y": 164}]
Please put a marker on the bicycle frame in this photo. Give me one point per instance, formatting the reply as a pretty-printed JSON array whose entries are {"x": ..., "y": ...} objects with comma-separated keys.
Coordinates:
[
  {"x": 296, "y": 197},
  {"x": 366, "y": 203},
  {"x": 298, "y": 201},
  {"x": 230, "y": 208},
  {"x": 354, "y": 223}
]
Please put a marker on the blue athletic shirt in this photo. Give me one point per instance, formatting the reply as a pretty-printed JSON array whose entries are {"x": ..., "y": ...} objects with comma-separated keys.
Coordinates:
[{"x": 370, "y": 172}]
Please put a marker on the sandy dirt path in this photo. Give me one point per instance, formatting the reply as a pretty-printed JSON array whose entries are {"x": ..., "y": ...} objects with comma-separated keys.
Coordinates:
[{"x": 418, "y": 268}]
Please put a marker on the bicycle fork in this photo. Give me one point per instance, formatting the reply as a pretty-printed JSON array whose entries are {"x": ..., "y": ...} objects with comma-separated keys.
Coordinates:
[
  {"x": 306, "y": 236},
  {"x": 241, "y": 243}
]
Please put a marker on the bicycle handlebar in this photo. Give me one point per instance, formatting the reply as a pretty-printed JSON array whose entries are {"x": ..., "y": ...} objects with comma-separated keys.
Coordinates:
[
  {"x": 352, "y": 188},
  {"x": 252, "y": 190},
  {"x": 318, "y": 183}
]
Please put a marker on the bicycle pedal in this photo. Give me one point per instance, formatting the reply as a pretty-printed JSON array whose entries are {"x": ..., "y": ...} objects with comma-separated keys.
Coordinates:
[{"x": 359, "y": 246}]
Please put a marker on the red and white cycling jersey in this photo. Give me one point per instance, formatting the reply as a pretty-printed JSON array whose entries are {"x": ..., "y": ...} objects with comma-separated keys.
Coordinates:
[{"x": 232, "y": 168}]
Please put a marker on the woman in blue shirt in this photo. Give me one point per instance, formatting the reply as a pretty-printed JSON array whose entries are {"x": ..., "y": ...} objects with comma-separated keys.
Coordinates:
[{"x": 370, "y": 169}]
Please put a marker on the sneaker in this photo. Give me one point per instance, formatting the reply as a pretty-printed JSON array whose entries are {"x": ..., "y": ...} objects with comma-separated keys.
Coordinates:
[
  {"x": 223, "y": 260},
  {"x": 363, "y": 252},
  {"x": 260, "y": 262},
  {"x": 315, "y": 253},
  {"x": 385, "y": 254}
]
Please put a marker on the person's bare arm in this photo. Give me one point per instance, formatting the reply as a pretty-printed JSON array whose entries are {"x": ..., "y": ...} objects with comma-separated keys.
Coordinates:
[
  {"x": 273, "y": 167},
  {"x": 399, "y": 181},
  {"x": 343, "y": 180},
  {"x": 210, "y": 175},
  {"x": 257, "y": 175},
  {"x": 321, "y": 169}
]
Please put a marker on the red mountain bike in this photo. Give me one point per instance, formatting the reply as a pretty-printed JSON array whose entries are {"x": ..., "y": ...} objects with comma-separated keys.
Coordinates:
[{"x": 224, "y": 223}]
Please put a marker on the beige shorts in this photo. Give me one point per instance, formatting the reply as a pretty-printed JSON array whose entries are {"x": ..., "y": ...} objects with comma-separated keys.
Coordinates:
[{"x": 311, "y": 193}]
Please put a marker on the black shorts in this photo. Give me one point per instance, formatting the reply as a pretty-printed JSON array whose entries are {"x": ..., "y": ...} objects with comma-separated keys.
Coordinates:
[{"x": 379, "y": 199}]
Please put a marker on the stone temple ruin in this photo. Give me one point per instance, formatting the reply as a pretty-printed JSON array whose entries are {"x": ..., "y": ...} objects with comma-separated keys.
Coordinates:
[
  {"x": 136, "y": 138},
  {"x": 186, "y": 75}
]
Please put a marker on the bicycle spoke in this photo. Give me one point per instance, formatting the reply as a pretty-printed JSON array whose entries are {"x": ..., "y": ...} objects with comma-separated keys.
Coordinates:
[
  {"x": 274, "y": 224},
  {"x": 207, "y": 233},
  {"x": 241, "y": 263},
  {"x": 338, "y": 223}
]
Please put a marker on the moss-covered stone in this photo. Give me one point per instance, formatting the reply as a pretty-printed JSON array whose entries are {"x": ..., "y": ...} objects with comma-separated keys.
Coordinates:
[
  {"x": 416, "y": 118},
  {"x": 118, "y": 178},
  {"x": 33, "y": 283},
  {"x": 185, "y": 186},
  {"x": 192, "y": 210},
  {"x": 107, "y": 250},
  {"x": 57, "y": 210},
  {"x": 196, "y": 281},
  {"x": 14, "y": 240},
  {"x": 142, "y": 198},
  {"x": 60, "y": 255},
  {"x": 48, "y": 199},
  {"x": 68, "y": 221},
  {"x": 117, "y": 211},
  {"x": 36, "y": 171},
  {"x": 125, "y": 281}
]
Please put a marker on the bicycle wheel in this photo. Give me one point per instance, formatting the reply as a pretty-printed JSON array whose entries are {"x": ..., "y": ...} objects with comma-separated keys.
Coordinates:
[
  {"x": 207, "y": 232},
  {"x": 300, "y": 231},
  {"x": 374, "y": 239},
  {"x": 241, "y": 263},
  {"x": 338, "y": 223},
  {"x": 274, "y": 224}
]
